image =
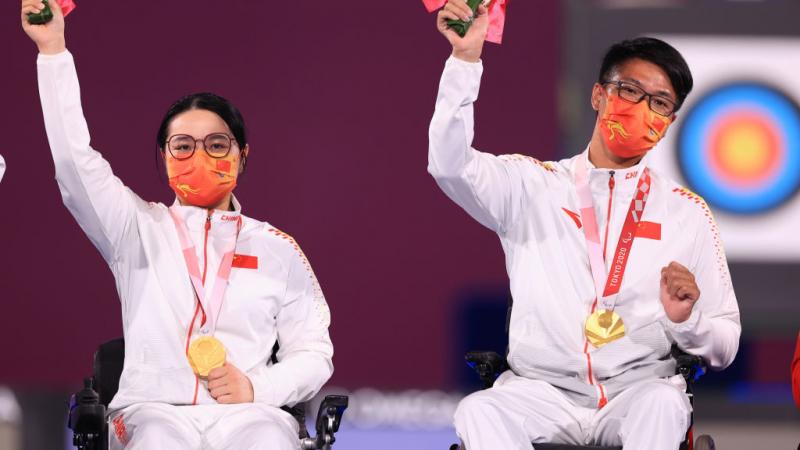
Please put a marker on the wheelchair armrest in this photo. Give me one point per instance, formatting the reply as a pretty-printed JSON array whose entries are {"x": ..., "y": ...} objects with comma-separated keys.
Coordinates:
[
  {"x": 87, "y": 416},
  {"x": 329, "y": 417},
  {"x": 488, "y": 365},
  {"x": 298, "y": 411},
  {"x": 691, "y": 367}
]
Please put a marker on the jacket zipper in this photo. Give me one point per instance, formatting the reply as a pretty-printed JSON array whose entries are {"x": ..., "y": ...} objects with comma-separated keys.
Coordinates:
[
  {"x": 199, "y": 307},
  {"x": 611, "y": 184},
  {"x": 602, "y": 401},
  {"x": 205, "y": 256}
]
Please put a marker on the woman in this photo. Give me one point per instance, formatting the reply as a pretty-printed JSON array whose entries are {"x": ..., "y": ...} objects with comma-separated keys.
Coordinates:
[{"x": 205, "y": 291}]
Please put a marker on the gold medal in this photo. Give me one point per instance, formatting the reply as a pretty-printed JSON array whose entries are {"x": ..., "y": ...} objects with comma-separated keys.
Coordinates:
[
  {"x": 604, "y": 326},
  {"x": 206, "y": 353}
]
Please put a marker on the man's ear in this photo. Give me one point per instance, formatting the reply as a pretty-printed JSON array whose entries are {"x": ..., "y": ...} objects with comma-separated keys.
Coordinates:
[{"x": 597, "y": 95}]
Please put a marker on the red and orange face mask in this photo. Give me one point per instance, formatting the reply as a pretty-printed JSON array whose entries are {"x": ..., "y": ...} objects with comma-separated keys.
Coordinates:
[
  {"x": 202, "y": 180},
  {"x": 631, "y": 129}
]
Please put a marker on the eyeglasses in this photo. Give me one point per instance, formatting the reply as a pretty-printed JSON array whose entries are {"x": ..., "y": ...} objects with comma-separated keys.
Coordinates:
[
  {"x": 217, "y": 145},
  {"x": 634, "y": 94}
]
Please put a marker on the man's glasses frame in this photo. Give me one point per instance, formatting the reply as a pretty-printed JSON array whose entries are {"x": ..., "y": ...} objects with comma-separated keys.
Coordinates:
[{"x": 632, "y": 93}]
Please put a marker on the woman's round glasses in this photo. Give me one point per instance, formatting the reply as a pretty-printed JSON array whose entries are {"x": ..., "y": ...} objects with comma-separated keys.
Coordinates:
[{"x": 217, "y": 145}]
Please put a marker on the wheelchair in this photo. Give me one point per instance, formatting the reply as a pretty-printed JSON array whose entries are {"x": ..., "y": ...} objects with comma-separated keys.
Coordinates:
[
  {"x": 489, "y": 365},
  {"x": 87, "y": 408}
]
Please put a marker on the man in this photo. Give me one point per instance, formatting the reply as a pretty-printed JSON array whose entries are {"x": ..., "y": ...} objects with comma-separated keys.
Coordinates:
[{"x": 609, "y": 262}]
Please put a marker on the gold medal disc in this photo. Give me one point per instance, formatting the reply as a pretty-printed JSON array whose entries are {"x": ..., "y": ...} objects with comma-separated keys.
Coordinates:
[
  {"x": 206, "y": 353},
  {"x": 604, "y": 326}
]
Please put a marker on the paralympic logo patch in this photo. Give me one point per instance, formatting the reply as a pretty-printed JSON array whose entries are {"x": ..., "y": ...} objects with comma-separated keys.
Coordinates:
[{"x": 739, "y": 148}]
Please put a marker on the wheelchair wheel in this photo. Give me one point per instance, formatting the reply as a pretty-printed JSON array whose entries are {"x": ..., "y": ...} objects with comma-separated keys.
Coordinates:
[{"x": 704, "y": 442}]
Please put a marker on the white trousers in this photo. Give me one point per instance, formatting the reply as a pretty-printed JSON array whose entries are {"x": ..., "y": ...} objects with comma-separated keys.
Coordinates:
[
  {"x": 245, "y": 426},
  {"x": 517, "y": 411}
]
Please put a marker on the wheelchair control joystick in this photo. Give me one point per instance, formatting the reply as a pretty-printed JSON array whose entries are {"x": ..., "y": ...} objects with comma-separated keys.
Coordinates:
[
  {"x": 88, "y": 395},
  {"x": 86, "y": 416}
]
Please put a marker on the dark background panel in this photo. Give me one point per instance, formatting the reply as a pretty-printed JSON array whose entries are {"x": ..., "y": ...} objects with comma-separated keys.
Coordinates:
[{"x": 337, "y": 98}]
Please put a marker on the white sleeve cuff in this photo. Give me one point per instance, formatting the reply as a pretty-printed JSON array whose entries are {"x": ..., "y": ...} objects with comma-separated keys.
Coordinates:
[
  {"x": 42, "y": 58},
  {"x": 469, "y": 72},
  {"x": 452, "y": 60},
  {"x": 687, "y": 326},
  {"x": 271, "y": 390}
]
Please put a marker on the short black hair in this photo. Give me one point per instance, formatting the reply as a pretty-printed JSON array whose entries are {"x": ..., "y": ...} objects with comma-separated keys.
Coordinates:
[
  {"x": 655, "y": 51},
  {"x": 210, "y": 102}
]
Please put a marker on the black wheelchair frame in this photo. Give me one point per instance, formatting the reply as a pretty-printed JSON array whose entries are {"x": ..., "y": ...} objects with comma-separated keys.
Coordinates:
[{"x": 87, "y": 407}]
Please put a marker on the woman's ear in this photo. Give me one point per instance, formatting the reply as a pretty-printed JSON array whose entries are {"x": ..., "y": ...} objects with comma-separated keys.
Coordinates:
[{"x": 243, "y": 158}]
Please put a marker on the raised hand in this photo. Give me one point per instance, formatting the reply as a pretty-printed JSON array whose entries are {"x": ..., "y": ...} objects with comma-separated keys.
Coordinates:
[
  {"x": 49, "y": 37},
  {"x": 679, "y": 292},
  {"x": 469, "y": 47}
]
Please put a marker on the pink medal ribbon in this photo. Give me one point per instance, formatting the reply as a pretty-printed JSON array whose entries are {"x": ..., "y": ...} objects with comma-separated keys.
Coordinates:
[{"x": 212, "y": 306}]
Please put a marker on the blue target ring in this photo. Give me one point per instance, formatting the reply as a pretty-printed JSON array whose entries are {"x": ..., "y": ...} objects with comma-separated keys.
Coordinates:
[{"x": 739, "y": 148}]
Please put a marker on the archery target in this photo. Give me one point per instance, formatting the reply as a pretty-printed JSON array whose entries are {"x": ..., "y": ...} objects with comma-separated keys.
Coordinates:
[
  {"x": 736, "y": 141},
  {"x": 739, "y": 148}
]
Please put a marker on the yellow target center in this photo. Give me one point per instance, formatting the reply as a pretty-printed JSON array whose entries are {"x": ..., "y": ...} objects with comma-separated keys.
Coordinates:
[{"x": 745, "y": 150}]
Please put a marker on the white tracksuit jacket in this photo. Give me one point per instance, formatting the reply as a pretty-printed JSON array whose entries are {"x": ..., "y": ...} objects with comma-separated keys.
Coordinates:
[
  {"x": 533, "y": 207},
  {"x": 279, "y": 300}
]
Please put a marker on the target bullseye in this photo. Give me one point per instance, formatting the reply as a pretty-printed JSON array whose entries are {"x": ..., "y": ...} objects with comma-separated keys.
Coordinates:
[{"x": 739, "y": 148}]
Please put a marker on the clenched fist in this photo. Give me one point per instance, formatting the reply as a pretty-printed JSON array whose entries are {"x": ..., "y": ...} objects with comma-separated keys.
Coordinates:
[
  {"x": 228, "y": 384},
  {"x": 469, "y": 47},
  {"x": 679, "y": 292},
  {"x": 49, "y": 37}
]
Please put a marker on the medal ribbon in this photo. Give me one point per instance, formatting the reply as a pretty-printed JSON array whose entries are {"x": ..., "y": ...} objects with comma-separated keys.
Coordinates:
[
  {"x": 214, "y": 304},
  {"x": 608, "y": 285}
]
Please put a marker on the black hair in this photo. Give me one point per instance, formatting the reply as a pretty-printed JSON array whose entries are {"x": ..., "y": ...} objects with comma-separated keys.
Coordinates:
[
  {"x": 655, "y": 51},
  {"x": 210, "y": 102}
]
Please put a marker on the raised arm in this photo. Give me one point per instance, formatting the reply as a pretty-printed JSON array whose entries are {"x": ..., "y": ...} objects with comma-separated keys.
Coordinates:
[
  {"x": 306, "y": 352},
  {"x": 488, "y": 187},
  {"x": 102, "y": 205}
]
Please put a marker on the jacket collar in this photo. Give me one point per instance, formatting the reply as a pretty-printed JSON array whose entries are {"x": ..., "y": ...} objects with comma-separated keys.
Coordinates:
[
  {"x": 221, "y": 220},
  {"x": 625, "y": 180}
]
